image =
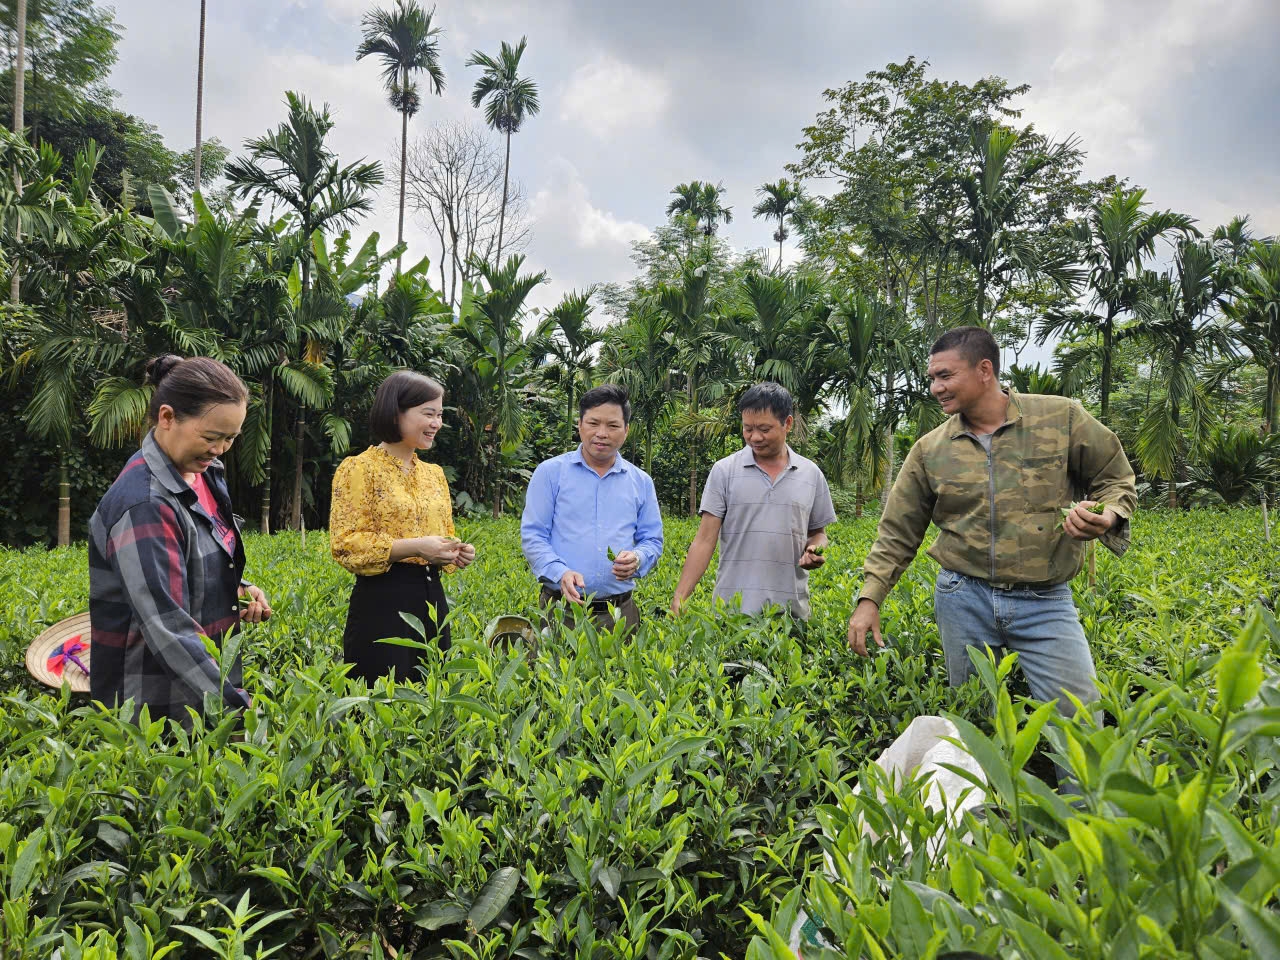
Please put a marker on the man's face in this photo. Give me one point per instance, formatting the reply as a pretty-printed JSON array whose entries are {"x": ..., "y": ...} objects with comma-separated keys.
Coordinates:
[
  {"x": 957, "y": 384},
  {"x": 603, "y": 432},
  {"x": 764, "y": 433}
]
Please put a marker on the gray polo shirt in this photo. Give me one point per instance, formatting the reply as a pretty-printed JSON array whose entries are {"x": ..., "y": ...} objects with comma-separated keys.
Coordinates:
[{"x": 764, "y": 526}]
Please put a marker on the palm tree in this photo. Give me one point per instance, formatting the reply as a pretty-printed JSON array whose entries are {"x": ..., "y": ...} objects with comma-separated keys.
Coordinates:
[
  {"x": 1114, "y": 239},
  {"x": 293, "y": 167},
  {"x": 199, "y": 97},
  {"x": 406, "y": 43},
  {"x": 19, "y": 91},
  {"x": 508, "y": 99},
  {"x": 997, "y": 191},
  {"x": 1174, "y": 321},
  {"x": 701, "y": 201},
  {"x": 1255, "y": 308},
  {"x": 499, "y": 355},
  {"x": 855, "y": 342},
  {"x": 572, "y": 347},
  {"x": 778, "y": 201},
  {"x": 77, "y": 326},
  {"x": 693, "y": 306},
  {"x": 639, "y": 354}
]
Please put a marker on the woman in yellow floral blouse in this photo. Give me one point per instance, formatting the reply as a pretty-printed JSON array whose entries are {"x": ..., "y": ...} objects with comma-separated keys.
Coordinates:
[{"x": 391, "y": 524}]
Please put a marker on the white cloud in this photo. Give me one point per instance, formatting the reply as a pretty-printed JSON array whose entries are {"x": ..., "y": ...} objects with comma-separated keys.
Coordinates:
[{"x": 606, "y": 95}]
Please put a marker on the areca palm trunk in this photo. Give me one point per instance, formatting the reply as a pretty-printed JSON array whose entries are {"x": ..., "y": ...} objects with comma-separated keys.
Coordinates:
[
  {"x": 19, "y": 84},
  {"x": 199, "y": 96},
  {"x": 265, "y": 505},
  {"x": 404, "y": 161},
  {"x": 693, "y": 448},
  {"x": 502, "y": 214},
  {"x": 301, "y": 426},
  {"x": 1108, "y": 345},
  {"x": 64, "y": 500}
]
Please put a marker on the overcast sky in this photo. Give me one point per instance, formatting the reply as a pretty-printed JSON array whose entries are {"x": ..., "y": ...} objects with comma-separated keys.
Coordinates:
[{"x": 1182, "y": 97}]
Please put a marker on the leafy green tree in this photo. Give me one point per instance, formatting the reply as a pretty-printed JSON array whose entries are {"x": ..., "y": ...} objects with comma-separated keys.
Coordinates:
[
  {"x": 639, "y": 353},
  {"x": 694, "y": 306},
  {"x": 508, "y": 99},
  {"x": 571, "y": 345},
  {"x": 999, "y": 189},
  {"x": 1114, "y": 239},
  {"x": 68, "y": 51},
  {"x": 498, "y": 361},
  {"x": 778, "y": 201},
  {"x": 702, "y": 204},
  {"x": 1176, "y": 320},
  {"x": 1255, "y": 309},
  {"x": 74, "y": 279},
  {"x": 406, "y": 43},
  {"x": 292, "y": 167}
]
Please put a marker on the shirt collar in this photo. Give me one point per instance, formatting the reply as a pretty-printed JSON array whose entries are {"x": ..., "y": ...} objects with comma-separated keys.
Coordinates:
[
  {"x": 162, "y": 467},
  {"x": 956, "y": 426},
  {"x": 620, "y": 464},
  {"x": 747, "y": 458}
]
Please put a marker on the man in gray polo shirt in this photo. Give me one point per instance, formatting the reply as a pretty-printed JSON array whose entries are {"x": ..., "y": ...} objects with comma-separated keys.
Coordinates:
[{"x": 768, "y": 507}]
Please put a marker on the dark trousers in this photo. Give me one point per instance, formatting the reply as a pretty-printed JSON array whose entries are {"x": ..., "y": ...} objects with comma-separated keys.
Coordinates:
[
  {"x": 374, "y": 614},
  {"x": 599, "y": 608}
]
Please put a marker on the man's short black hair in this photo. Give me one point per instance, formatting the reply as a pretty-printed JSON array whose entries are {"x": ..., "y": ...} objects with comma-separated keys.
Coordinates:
[
  {"x": 401, "y": 391},
  {"x": 606, "y": 393},
  {"x": 975, "y": 344},
  {"x": 773, "y": 397}
]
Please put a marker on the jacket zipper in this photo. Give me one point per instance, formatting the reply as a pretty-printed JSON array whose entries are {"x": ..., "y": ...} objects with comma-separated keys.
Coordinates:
[{"x": 991, "y": 487}]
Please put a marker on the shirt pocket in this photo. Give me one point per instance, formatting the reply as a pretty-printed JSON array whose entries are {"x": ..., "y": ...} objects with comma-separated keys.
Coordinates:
[{"x": 1042, "y": 482}]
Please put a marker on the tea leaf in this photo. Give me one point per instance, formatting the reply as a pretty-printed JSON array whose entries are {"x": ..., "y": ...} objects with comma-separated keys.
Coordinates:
[{"x": 493, "y": 898}]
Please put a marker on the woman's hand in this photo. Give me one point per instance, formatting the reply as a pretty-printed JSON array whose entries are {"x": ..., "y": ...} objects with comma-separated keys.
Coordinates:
[
  {"x": 439, "y": 550},
  {"x": 466, "y": 555},
  {"x": 253, "y": 606}
]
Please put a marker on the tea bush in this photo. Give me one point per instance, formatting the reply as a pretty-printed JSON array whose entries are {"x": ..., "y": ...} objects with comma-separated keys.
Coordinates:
[{"x": 680, "y": 794}]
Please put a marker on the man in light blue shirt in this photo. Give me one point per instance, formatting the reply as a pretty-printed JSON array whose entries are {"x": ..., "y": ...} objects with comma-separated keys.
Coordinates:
[{"x": 583, "y": 505}]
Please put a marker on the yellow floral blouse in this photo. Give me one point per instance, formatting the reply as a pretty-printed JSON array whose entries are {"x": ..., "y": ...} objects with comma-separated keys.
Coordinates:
[{"x": 375, "y": 502}]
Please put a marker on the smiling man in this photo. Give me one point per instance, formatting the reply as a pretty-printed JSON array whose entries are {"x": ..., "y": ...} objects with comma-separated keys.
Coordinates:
[
  {"x": 589, "y": 503},
  {"x": 768, "y": 507},
  {"x": 995, "y": 478}
]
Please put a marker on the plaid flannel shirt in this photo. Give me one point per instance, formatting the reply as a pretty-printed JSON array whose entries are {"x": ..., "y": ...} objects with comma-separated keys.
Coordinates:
[{"x": 161, "y": 579}]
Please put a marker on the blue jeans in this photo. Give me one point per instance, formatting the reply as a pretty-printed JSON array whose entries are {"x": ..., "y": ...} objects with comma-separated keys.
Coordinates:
[{"x": 1040, "y": 624}]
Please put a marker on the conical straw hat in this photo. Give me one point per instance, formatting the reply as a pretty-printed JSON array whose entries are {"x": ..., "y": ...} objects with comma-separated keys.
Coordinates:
[{"x": 50, "y": 644}]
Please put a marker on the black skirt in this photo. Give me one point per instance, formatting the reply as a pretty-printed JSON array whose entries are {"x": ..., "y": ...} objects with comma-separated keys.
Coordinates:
[{"x": 374, "y": 614}]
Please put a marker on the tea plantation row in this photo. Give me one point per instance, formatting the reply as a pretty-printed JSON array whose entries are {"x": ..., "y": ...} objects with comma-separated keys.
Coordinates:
[{"x": 686, "y": 793}]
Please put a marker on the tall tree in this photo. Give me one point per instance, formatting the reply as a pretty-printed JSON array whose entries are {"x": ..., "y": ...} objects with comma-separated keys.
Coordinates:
[
  {"x": 693, "y": 305},
  {"x": 292, "y": 167},
  {"x": 199, "y": 99},
  {"x": 19, "y": 88},
  {"x": 701, "y": 201},
  {"x": 491, "y": 328},
  {"x": 455, "y": 179},
  {"x": 778, "y": 201},
  {"x": 572, "y": 344},
  {"x": 1177, "y": 321},
  {"x": 999, "y": 190},
  {"x": 508, "y": 98},
  {"x": 639, "y": 353},
  {"x": 406, "y": 43},
  {"x": 1114, "y": 239},
  {"x": 1255, "y": 308}
]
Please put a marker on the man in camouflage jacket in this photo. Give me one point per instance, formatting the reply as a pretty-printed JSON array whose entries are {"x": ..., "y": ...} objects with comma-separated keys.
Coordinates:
[{"x": 996, "y": 478}]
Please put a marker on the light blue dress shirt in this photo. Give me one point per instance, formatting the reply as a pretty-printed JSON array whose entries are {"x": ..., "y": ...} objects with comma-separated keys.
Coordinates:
[{"x": 572, "y": 516}]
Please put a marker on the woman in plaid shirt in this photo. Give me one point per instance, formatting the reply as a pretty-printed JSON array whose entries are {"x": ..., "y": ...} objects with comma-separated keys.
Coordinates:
[{"x": 165, "y": 552}]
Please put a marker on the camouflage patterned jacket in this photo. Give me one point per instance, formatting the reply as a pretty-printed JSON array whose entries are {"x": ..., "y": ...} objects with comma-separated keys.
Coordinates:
[{"x": 997, "y": 514}]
